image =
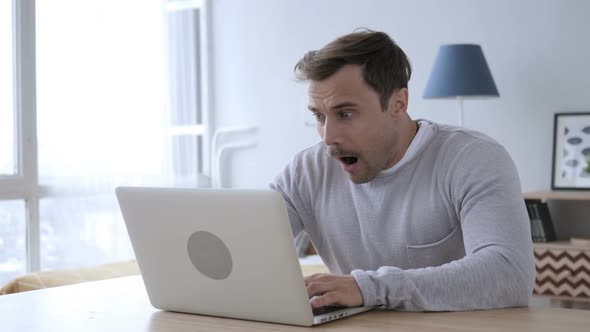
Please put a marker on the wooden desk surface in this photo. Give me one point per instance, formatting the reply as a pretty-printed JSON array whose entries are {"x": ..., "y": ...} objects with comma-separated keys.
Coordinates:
[{"x": 122, "y": 305}]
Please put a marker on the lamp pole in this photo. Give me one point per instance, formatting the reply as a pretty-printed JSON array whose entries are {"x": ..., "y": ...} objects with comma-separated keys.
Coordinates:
[{"x": 460, "y": 110}]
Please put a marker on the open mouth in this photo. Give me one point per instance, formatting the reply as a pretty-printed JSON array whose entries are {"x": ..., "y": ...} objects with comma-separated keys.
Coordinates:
[{"x": 349, "y": 160}]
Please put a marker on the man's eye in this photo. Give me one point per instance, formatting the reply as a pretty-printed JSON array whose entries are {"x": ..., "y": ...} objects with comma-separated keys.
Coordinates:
[
  {"x": 318, "y": 116},
  {"x": 345, "y": 115}
]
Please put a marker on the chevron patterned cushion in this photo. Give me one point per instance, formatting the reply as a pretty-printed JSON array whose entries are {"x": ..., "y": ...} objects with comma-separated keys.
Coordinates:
[{"x": 562, "y": 270}]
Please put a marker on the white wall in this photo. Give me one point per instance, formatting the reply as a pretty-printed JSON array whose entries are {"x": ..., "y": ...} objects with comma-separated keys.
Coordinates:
[{"x": 538, "y": 52}]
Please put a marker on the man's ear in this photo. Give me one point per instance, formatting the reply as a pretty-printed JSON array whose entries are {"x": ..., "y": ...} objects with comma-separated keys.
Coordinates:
[{"x": 398, "y": 102}]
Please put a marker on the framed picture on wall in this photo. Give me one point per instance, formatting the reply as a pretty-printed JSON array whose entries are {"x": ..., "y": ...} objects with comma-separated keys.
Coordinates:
[{"x": 571, "y": 152}]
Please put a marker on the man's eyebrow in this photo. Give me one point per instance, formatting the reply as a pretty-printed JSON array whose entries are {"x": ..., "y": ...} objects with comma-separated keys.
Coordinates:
[
  {"x": 344, "y": 105},
  {"x": 335, "y": 107}
]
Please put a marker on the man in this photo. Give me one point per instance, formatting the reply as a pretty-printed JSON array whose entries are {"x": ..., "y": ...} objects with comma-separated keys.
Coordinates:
[{"x": 411, "y": 215}]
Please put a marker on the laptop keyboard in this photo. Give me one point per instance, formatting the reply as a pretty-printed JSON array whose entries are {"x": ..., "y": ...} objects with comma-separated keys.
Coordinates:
[{"x": 326, "y": 309}]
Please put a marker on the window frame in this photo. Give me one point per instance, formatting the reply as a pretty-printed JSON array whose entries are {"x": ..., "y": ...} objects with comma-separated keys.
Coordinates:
[{"x": 202, "y": 131}]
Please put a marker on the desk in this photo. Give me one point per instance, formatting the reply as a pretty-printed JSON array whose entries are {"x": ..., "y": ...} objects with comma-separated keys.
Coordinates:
[{"x": 121, "y": 304}]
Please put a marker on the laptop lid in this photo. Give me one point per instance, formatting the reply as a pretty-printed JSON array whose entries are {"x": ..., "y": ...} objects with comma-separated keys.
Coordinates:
[{"x": 224, "y": 253}]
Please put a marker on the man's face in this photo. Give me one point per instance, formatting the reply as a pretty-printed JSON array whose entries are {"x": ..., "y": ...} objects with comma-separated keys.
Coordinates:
[{"x": 358, "y": 132}]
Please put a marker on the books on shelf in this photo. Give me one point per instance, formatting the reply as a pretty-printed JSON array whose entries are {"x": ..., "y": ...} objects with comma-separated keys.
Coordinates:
[{"x": 541, "y": 224}]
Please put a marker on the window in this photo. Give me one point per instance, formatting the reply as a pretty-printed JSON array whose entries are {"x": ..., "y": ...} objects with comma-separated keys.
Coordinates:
[{"x": 117, "y": 100}]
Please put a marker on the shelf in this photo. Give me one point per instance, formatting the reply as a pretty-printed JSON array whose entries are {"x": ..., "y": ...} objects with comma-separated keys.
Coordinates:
[
  {"x": 565, "y": 245},
  {"x": 569, "y": 195}
]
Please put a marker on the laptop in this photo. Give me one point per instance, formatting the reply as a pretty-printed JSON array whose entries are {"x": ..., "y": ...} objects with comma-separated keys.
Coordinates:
[{"x": 227, "y": 253}]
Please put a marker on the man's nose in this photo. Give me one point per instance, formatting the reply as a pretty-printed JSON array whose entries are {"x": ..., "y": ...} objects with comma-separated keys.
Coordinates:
[{"x": 330, "y": 133}]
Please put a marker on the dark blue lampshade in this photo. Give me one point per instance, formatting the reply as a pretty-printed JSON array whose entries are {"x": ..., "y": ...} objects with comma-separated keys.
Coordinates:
[{"x": 460, "y": 70}]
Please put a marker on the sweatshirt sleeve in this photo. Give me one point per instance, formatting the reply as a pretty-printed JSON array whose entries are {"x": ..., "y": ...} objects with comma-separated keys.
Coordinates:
[
  {"x": 288, "y": 185},
  {"x": 498, "y": 268}
]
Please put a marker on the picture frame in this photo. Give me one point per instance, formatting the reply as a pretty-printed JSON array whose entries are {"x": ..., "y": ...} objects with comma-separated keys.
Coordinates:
[{"x": 571, "y": 152}]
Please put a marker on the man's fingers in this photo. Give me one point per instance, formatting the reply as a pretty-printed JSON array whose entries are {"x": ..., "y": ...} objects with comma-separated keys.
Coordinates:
[
  {"x": 328, "y": 298},
  {"x": 319, "y": 288},
  {"x": 331, "y": 289},
  {"x": 314, "y": 276}
]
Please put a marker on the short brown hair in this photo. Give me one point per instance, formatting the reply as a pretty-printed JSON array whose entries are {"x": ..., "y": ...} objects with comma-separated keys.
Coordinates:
[{"x": 385, "y": 66}]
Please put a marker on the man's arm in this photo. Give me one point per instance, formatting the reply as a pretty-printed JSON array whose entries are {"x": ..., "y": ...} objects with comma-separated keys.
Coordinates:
[{"x": 286, "y": 183}]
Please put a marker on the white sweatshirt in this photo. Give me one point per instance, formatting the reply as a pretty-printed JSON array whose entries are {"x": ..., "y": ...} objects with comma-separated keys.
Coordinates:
[{"x": 444, "y": 229}]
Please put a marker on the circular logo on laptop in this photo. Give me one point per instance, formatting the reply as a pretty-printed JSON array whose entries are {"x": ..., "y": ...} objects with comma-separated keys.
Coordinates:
[{"x": 209, "y": 255}]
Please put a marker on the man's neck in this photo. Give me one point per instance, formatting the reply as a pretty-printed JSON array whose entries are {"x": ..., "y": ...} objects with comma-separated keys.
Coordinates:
[
  {"x": 408, "y": 137},
  {"x": 407, "y": 134}
]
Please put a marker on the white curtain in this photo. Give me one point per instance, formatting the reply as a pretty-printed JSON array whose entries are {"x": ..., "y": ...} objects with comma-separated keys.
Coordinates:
[{"x": 103, "y": 122}]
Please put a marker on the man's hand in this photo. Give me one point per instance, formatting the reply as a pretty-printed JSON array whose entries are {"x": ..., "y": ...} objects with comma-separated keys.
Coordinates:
[{"x": 333, "y": 290}]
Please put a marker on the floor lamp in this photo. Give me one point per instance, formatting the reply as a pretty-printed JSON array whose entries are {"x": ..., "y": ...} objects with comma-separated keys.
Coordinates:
[{"x": 460, "y": 71}]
